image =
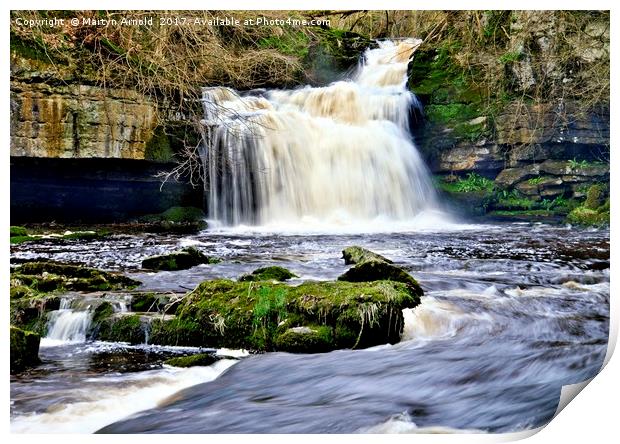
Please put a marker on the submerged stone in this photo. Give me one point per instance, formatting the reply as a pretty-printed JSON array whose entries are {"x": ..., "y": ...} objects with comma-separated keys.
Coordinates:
[
  {"x": 355, "y": 255},
  {"x": 273, "y": 273},
  {"x": 180, "y": 260},
  {"x": 24, "y": 349}
]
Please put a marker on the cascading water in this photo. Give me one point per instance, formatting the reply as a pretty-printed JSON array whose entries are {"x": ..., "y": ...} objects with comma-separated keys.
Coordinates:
[
  {"x": 333, "y": 154},
  {"x": 67, "y": 324}
]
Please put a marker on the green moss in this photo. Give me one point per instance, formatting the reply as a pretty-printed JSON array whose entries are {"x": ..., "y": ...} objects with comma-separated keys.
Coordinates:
[
  {"x": 273, "y": 273},
  {"x": 122, "y": 329},
  {"x": 180, "y": 260},
  {"x": 158, "y": 147},
  {"x": 24, "y": 349},
  {"x": 183, "y": 214},
  {"x": 375, "y": 270},
  {"x": 312, "y": 339},
  {"x": 292, "y": 42},
  {"x": 510, "y": 57},
  {"x": 51, "y": 276},
  {"x": 22, "y": 239},
  {"x": 18, "y": 231},
  {"x": 83, "y": 235},
  {"x": 355, "y": 255},
  {"x": 250, "y": 315},
  {"x": 594, "y": 196},
  {"x": 202, "y": 359},
  {"x": 103, "y": 311},
  {"x": 588, "y": 217}
]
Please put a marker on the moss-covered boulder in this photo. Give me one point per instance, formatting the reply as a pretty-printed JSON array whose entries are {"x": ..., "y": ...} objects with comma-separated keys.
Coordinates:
[
  {"x": 179, "y": 260},
  {"x": 47, "y": 276},
  {"x": 18, "y": 231},
  {"x": 374, "y": 270},
  {"x": 305, "y": 340},
  {"x": 200, "y": 359},
  {"x": 371, "y": 266},
  {"x": 149, "y": 302},
  {"x": 273, "y": 273},
  {"x": 588, "y": 217},
  {"x": 355, "y": 255},
  {"x": 255, "y": 315},
  {"x": 129, "y": 328},
  {"x": 24, "y": 349}
]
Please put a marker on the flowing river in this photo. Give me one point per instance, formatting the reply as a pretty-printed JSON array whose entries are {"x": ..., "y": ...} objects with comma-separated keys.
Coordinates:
[{"x": 511, "y": 313}]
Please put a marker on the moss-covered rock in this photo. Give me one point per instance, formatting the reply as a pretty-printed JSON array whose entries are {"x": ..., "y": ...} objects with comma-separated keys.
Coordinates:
[
  {"x": 18, "y": 231},
  {"x": 251, "y": 315},
  {"x": 122, "y": 328},
  {"x": 594, "y": 197},
  {"x": 375, "y": 270},
  {"x": 305, "y": 340},
  {"x": 24, "y": 349},
  {"x": 180, "y": 260},
  {"x": 355, "y": 255},
  {"x": 202, "y": 359},
  {"x": 273, "y": 273},
  {"x": 588, "y": 217},
  {"x": 149, "y": 302},
  {"x": 47, "y": 276}
]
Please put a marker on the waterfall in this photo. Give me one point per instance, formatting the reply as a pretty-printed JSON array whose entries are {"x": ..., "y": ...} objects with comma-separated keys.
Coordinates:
[
  {"x": 67, "y": 324},
  {"x": 338, "y": 154}
]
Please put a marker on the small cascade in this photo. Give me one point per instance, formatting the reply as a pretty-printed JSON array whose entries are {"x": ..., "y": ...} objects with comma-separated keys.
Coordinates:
[
  {"x": 67, "y": 324},
  {"x": 338, "y": 154}
]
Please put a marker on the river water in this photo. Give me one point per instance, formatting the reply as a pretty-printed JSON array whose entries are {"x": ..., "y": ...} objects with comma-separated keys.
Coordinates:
[{"x": 511, "y": 312}]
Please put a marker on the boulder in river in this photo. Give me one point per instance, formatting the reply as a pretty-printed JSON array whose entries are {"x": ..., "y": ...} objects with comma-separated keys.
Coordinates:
[
  {"x": 260, "y": 315},
  {"x": 355, "y": 255},
  {"x": 273, "y": 273},
  {"x": 24, "y": 349},
  {"x": 179, "y": 260},
  {"x": 371, "y": 266}
]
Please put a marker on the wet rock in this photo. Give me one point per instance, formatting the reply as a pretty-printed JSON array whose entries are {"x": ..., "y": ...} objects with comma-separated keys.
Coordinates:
[
  {"x": 119, "y": 327},
  {"x": 180, "y": 260},
  {"x": 146, "y": 302},
  {"x": 47, "y": 276},
  {"x": 253, "y": 315},
  {"x": 273, "y": 273},
  {"x": 202, "y": 359},
  {"x": 355, "y": 255},
  {"x": 511, "y": 176},
  {"x": 305, "y": 340},
  {"x": 376, "y": 270},
  {"x": 24, "y": 349}
]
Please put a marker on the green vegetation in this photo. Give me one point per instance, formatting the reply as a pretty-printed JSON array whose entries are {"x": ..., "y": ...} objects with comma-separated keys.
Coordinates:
[
  {"x": 175, "y": 220},
  {"x": 252, "y": 315},
  {"x": 200, "y": 359},
  {"x": 509, "y": 57},
  {"x": 55, "y": 276},
  {"x": 593, "y": 212},
  {"x": 312, "y": 339},
  {"x": 291, "y": 42},
  {"x": 122, "y": 328},
  {"x": 158, "y": 147},
  {"x": 356, "y": 255},
  {"x": 273, "y": 273},
  {"x": 472, "y": 183},
  {"x": 24, "y": 349},
  {"x": 18, "y": 231}
]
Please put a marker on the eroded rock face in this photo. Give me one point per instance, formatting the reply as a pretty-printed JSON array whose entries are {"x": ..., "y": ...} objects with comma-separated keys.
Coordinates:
[{"x": 79, "y": 121}]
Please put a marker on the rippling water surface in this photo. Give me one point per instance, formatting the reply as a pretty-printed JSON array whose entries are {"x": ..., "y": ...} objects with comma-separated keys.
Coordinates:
[{"x": 511, "y": 313}]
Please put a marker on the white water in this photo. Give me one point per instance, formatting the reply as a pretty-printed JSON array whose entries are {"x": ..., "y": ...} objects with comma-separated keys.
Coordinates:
[
  {"x": 110, "y": 398},
  {"x": 324, "y": 157},
  {"x": 66, "y": 325}
]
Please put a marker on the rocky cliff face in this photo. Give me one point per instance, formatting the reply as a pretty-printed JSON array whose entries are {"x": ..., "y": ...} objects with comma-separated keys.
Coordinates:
[
  {"x": 79, "y": 121},
  {"x": 527, "y": 103}
]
